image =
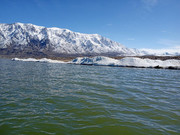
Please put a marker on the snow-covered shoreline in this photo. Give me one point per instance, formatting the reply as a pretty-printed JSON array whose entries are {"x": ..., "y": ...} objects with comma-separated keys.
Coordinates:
[
  {"x": 106, "y": 61},
  {"x": 127, "y": 62},
  {"x": 38, "y": 60}
]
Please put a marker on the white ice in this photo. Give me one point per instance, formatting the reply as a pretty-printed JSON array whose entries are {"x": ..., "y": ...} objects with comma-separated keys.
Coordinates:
[
  {"x": 126, "y": 62},
  {"x": 106, "y": 61},
  {"x": 38, "y": 60}
]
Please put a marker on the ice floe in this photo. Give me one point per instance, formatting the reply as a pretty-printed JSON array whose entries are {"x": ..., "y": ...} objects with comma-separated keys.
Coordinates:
[{"x": 127, "y": 62}]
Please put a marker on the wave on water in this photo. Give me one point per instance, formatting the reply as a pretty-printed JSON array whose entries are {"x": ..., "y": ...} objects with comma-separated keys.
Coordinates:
[{"x": 106, "y": 61}]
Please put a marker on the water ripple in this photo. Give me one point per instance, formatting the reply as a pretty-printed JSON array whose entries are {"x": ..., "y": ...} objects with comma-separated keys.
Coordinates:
[{"x": 47, "y": 98}]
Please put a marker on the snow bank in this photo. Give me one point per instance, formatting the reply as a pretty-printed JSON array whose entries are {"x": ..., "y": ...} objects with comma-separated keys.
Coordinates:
[
  {"x": 127, "y": 62},
  {"x": 38, "y": 60},
  {"x": 106, "y": 61}
]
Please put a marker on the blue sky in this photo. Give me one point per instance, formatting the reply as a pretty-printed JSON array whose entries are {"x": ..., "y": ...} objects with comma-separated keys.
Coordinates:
[{"x": 135, "y": 23}]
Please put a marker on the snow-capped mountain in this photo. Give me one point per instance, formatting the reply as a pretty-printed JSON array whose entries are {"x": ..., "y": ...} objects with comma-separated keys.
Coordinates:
[{"x": 30, "y": 38}]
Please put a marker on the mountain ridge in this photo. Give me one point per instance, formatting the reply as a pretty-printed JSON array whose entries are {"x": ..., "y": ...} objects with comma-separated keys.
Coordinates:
[{"x": 29, "y": 38}]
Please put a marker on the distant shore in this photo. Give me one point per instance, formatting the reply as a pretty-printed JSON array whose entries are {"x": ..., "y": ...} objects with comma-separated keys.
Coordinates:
[
  {"x": 151, "y": 57},
  {"x": 69, "y": 58}
]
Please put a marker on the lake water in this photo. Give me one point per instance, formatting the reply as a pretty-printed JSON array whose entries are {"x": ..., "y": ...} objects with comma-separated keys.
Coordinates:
[{"x": 45, "y": 98}]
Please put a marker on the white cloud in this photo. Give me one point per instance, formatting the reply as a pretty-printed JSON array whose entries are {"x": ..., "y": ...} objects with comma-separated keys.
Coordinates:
[
  {"x": 149, "y": 4},
  {"x": 171, "y": 47},
  {"x": 169, "y": 43},
  {"x": 177, "y": 47},
  {"x": 160, "y": 52}
]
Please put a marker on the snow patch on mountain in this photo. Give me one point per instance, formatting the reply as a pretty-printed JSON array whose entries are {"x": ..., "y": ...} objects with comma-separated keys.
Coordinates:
[
  {"x": 19, "y": 36},
  {"x": 33, "y": 38}
]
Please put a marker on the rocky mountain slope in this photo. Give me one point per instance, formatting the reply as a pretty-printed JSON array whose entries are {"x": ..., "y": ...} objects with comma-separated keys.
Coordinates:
[{"x": 26, "y": 39}]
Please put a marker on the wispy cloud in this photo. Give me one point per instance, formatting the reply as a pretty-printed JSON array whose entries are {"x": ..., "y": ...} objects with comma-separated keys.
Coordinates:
[
  {"x": 170, "y": 46},
  {"x": 109, "y": 24},
  {"x": 38, "y": 3},
  {"x": 149, "y": 4},
  {"x": 166, "y": 51},
  {"x": 169, "y": 43},
  {"x": 171, "y": 51},
  {"x": 164, "y": 31},
  {"x": 131, "y": 39},
  {"x": 43, "y": 4}
]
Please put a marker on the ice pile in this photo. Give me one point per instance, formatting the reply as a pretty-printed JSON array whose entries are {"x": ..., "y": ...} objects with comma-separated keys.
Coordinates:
[
  {"x": 38, "y": 60},
  {"x": 106, "y": 61},
  {"x": 127, "y": 62}
]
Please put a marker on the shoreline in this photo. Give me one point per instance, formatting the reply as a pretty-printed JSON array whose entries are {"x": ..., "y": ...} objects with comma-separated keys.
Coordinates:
[
  {"x": 70, "y": 58},
  {"x": 128, "y": 62}
]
